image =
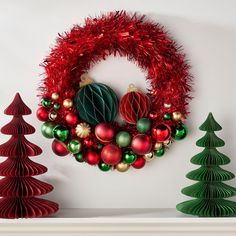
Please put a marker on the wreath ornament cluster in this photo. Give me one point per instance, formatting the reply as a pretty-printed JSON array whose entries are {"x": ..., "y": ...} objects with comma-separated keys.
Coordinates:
[{"x": 80, "y": 114}]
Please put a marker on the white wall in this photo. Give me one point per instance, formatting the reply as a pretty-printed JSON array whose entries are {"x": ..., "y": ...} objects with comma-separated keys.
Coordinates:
[{"x": 207, "y": 31}]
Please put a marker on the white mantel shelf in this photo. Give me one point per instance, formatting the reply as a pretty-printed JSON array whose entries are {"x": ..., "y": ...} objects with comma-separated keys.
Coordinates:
[{"x": 88, "y": 222}]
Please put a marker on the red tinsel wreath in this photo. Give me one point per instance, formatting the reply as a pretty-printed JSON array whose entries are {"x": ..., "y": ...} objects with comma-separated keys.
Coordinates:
[{"x": 141, "y": 41}]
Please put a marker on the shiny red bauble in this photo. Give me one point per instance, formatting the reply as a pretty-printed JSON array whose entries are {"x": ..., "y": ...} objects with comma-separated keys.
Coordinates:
[
  {"x": 139, "y": 163},
  {"x": 88, "y": 142},
  {"x": 133, "y": 106},
  {"x": 141, "y": 144},
  {"x": 104, "y": 132},
  {"x": 71, "y": 118},
  {"x": 111, "y": 154},
  {"x": 92, "y": 157},
  {"x": 161, "y": 132},
  {"x": 59, "y": 148},
  {"x": 42, "y": 114}
]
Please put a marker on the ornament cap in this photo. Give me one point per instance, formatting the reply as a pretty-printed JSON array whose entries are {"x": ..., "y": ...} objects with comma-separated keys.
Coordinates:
[
  {"x": 132, "y": 88},
  {"x": 85, "y": 79}
]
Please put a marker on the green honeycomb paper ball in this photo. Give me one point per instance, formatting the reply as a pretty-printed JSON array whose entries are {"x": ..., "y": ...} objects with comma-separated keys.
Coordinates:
[{"x": 96, "y": 103}]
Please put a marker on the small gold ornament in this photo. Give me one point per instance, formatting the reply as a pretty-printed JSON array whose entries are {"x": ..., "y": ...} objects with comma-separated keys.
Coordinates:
[
  {"x": 85, "y": 80},
  {"x": 158, "y": 146},
  {"x": 167, "y": 143},
  {"x": 82, "y": 130},
  {"x": 67, "y": 103},
  {"x": 149, "y": 156},
  {"x": 55, "y": 96},
  {"x": 177, "y": 116},
  {"x": 122, "y": 167},
  {"x": 52, "y": 116},
  {"x": 167, "y": 105},
  {"x": 132, "y": 88}
]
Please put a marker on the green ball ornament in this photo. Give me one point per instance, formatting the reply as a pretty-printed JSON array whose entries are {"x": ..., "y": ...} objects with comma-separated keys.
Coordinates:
[
  {"x": 143, "y": 125},
  {"x": 79, "y": 157},
  {"x": 129, "y": 157},
  {"x": 104, "y": 167},
  {"x": 180, "y": 132},
  {"x": 74, "y": 146},
  {"x": 61, "y": 133},
  {"x": 96, "y": 103},
  {"x": 159, "y": 153},
  {"x": 56, "y": 106},
  {"x": 167, "y": 116},
  {"x": 123, "y": 139},
  {"x": 46, "y": 102},
  {"x": 47, "y": 129}
]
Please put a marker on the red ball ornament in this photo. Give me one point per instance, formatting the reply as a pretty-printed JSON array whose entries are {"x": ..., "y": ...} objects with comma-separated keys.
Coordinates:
[
  {"x": 104, "y": 132},
  {"x": 42, "y": 114},
  {"x": 71, "y": 118},
  {"x": 59, "y": 148},
  {"x": 88, "y": 142},
  {"x": 133, "y": 106},
  {"x": 111, "y": 154},
  {"x": 92, "y": 157},
  {"x": 141, "y": 144},
  {"x": 139, "y": 163},
  {"x": 161, "y": 132}
]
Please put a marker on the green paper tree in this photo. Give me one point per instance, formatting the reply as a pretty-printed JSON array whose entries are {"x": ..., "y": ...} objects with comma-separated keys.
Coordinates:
[{"x": 209, "y": 192}]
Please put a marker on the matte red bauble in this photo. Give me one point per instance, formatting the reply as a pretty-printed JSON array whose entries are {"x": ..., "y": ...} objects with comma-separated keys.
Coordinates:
[
  {"x": 141, "y": 144},
  {"x": 161, "y": 132},
  {"x": 104, "y": 132},
  {"x": 133, "y": 106},
  {"x": 71, "y": 118},
  {"x": 139, "y": 163},
  {"x": 42, "y": 114},
  {"x": 111, "y": 154},
  {"x": 59, "y": 148},
  {"x": 92, "y": 157}
]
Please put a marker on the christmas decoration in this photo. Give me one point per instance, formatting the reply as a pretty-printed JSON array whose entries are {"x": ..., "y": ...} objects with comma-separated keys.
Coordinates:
[
  {"x": 141, "y": 144},
  {"x": 149, "y": 156},
  {"x": 159, "y": 152},
  {"x": 161, "y": 132},
  {"x": 209, "y": 192},
  {"x": 111, "y": 154},
  {"x": 104, "y": 132},
  {"x": 143, "y": 125},
  {"x": 134, "y": 105},
  {"x": 83, "y": 130},
  {"x": 104, "y": 167},
  {"x": 59, "y": 148},
  {"x": 18, "y": 188},
  {"x": 79, "y": 157},
  {"x": 129, "y": 157},
  {"x": 74, "y": 146},
  {"x": 86, "y": 110},
  {"x": 123, "y": 139},
  {"x": 47, "y": 129},
  {"x": 96, "y": 103}
]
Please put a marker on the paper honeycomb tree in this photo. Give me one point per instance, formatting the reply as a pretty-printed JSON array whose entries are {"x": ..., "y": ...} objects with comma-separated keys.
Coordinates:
[
  {"x": 18, "y": 188},
  {"x": 209, "y": 191}
]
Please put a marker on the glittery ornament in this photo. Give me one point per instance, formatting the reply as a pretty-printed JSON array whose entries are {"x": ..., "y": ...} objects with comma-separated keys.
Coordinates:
[
  {"x": 122, "y": 167},
  {"x": 83, "y": 130}
]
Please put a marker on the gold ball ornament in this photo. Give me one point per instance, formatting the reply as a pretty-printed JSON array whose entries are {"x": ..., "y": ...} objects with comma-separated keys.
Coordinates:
[
  {"x": 67, "y": 103},
  {"x": 167, "y": 143},
  {"x": 167, "y": 105},
  {"x": 83, "y": 130},
  {"x": 149, "y": 156},
  {"x": 52, "y": 116},
  {"x": 158, "y": 146},
  {"x": 55, "y": 96},
  {"x": 177, "y": 116},
  {"x": 122, "y": 167}
]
